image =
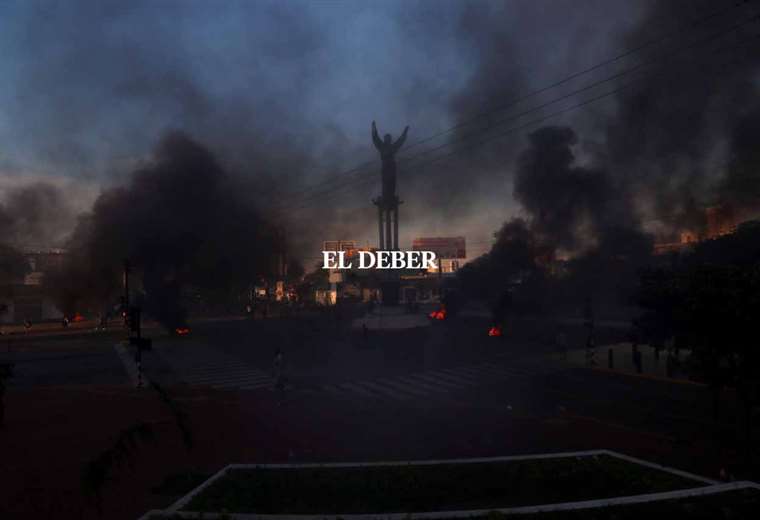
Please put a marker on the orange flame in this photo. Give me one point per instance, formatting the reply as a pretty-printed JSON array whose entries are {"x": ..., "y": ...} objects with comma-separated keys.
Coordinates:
[
  {"x": 440, "y": 314},
  {"x": 182, "y": 331},
  {"x": 77, "y": 318},
  {"x": 495, "y": 331}
]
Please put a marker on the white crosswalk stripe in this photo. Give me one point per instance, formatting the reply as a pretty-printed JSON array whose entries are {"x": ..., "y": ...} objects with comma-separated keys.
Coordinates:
[
  {"x": 439, "y": 381},
  {"x": 230, "y": 376},
  {"x": 218, "y": 370},
  {"x": 428, "y": 383},
  {"x": 353, "y": 387}
]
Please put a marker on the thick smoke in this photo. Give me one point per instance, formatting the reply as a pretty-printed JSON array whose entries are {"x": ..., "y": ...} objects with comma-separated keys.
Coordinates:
[
  {"x": 666, "y": 141},
  {"x": 679, "y": 139},
  {"x": 37, "y": 214},
  {"x": 13, "y": 265},
  {"x": 183, "y": 223},
  {"x": 571, "y": 206},
  {"x": 285, "y": 91},
  {"x": 741, "y": 185},
  {"x": 31, "y": 215}
]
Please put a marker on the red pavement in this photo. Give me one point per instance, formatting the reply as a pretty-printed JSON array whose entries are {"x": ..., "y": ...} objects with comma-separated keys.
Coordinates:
[{"x": 52, "y": 432}]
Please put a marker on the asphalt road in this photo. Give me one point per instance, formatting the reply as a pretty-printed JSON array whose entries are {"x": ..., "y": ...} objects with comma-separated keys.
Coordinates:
[
  {"x": 443, "y": 391},
  {"x": 330, "y": 366}
]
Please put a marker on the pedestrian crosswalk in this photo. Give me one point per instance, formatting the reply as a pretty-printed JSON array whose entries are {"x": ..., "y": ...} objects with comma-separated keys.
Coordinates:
[
  {"x": 427, "y": 384},
  {"x": 197, "y": 366},
  {"x": 228, "y": 375},
  {"x": 217, "y": 370}
]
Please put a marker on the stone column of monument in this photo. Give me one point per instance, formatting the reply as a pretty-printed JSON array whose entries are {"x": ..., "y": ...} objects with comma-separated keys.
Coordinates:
[
  {"x": 387, "y": 207},
  {"x": 381, "y": 239},
  {"x": 395, "y": 227},
  {"x": 388, "y": 202}
]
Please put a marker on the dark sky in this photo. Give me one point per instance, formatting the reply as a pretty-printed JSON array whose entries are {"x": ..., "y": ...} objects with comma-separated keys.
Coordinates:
[{"x": 283, "y": 92}]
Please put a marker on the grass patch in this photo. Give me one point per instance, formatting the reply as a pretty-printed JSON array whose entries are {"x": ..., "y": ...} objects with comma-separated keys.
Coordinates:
[{"x": 440, "y": 487}]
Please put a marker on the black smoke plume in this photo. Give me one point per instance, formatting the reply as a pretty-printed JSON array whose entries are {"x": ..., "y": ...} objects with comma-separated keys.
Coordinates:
[
  {"x": 741, "y": 185},
  {"x": 30, "y": 215},
  {"x": 36, "y": 214},
  {"x": 654, "y": 158},
  {"x": 570, "y": 205},
  {"x": 665, "y": 142},
  {"x": 183, "y": 223}
]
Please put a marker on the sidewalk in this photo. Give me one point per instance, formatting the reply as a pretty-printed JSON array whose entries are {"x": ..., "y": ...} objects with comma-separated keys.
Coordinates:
[{"x": 622, "y": 361}]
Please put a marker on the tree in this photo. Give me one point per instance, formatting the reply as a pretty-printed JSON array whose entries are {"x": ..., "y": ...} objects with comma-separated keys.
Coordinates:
[
  {"x": 6, "y": 372},
  {"x": 712, "y": 310}
]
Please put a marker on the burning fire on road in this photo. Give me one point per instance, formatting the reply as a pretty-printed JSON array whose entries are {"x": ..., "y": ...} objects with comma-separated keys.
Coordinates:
[{"x": 440, "y": 314}]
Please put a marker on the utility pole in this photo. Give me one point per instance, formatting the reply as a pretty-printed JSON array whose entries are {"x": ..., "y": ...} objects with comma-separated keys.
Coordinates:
[
  {"x": 136, "y": 327},
  {"x": 133, "y": 325}
]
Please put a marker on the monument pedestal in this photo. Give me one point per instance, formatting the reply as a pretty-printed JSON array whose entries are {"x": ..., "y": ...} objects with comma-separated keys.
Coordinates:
[{"x": 391, "y": 291}]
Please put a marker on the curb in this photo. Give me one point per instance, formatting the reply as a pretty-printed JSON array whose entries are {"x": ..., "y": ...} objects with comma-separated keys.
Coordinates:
[
  {"x": 562, "y": 506},
  {"x": 709, "y": 486},
  {"x": 129, "y": 364},
  {"x": 645, "y": 376}
]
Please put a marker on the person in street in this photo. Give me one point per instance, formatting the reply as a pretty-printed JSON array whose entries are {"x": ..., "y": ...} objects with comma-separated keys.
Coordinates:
[{"x": 104, "y": 321}]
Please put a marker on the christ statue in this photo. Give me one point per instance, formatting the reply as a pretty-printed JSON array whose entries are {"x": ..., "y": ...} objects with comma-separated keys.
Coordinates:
[{"x": 388, "y": 148}]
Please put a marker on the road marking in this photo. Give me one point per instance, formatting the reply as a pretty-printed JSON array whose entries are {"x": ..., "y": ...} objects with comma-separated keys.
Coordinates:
[
  {"x": 387, "y": 391},
  {"x": 505, "y": 372},
  {"x": 415, "y": 380},
  {"x": 406, "y": 387},
  {"x": 431, "y": 380},
  {"x": 248, "y": 376},
  {"x": 355, "y": 387},
  {"x": 254, "y": 386},
  {"x": 455, "y": 374},
  {"x": 422, "y": 384}
]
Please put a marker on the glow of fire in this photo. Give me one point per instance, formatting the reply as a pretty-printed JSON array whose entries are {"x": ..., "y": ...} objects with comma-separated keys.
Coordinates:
[
  {"x": 182, "y": 331},
  {"x": 495, "y": 331},
  {"x": 440, "y": 314}
]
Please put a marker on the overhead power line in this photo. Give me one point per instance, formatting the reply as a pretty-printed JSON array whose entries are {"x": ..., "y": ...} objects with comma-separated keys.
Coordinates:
[
  {"x": 409, "y": 163},
  {"x": 649, "y": 43},
  {"x": 419, "y": 166}
]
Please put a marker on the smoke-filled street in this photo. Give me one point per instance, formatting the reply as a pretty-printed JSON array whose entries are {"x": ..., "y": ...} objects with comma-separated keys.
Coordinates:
[
  {"x": 403, "y": 394},
  {"x": 404, "y": 259}
]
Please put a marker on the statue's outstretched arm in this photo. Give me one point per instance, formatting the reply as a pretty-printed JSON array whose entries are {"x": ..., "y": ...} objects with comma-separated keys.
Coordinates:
[
  {"x": 376, "y": 138},
  {"x": 400, "y": 141}
]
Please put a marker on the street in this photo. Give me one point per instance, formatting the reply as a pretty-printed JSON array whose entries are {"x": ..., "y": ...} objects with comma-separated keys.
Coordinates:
[{"x": 444, "y": 390}]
